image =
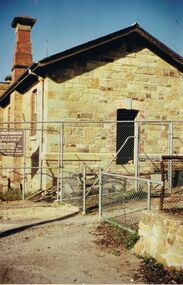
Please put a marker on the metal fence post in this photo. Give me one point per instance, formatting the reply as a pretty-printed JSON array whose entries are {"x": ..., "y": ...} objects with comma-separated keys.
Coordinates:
[
  {"x": 100, "y": 194},
  {"x": 84, "y": 190},
  {"x": 170, "y": 138},
  {"x": 58, "y": 178},
  {"x": 40, "y": 159},
  {"x": 24, "y": 166},
  {"x": 162, "y": 185},
  {"x": 170, "y": 150},
  {"x": 136, "y": 155},
  {"x": 62, "y": 160},
  {"x": 61, "y": 186},
  {"x": 149, "y": 195}
]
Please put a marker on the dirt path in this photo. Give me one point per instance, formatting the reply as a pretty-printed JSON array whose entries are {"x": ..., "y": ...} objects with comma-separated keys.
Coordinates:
[{"x": 63, "y": 252}]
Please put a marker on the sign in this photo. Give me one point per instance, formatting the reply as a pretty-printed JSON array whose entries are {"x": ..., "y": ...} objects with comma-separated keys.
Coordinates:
[{"x": 11, "y": 142}]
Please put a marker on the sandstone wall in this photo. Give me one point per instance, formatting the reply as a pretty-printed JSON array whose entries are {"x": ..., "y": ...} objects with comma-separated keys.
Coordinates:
[
  {"x": 94, "y": 88},
  {"x": 19, "y": 109},
  {"x": 161, "y": 237}
]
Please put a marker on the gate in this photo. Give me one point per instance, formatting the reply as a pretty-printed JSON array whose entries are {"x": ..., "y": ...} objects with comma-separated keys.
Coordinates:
[
  {"x": 62, "y": 160},
  {"x": 172, "y": 190},
  {"x": 121, "y": 203}
]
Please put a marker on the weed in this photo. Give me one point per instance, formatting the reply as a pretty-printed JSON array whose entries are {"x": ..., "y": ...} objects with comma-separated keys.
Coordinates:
[
  {"x": 116, "y": 236},
  {"x": 116, "y": 252},
  {"x": 131, "y": 240},
  {"x": 11, "y": 195},
  {"x": 128, "y": 239},
  {"x": 154, "y": 272},
  {"x": 155, "y": 267},
  {"x": 178, "y": 277}
]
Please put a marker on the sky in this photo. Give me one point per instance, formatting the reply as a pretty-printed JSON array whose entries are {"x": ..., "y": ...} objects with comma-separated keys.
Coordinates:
[{"x": 62, "y": 24}]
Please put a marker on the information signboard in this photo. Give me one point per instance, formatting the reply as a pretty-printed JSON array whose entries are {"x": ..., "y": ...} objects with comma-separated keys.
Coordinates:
[{"x": 11, "y": 142}]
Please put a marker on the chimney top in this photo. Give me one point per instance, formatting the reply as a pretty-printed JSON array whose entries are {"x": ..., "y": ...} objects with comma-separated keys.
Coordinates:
[
  {"x": 8, "y": 78},
  {"x": 23, "y": 20},
  {"x": 23, "y": 49}
]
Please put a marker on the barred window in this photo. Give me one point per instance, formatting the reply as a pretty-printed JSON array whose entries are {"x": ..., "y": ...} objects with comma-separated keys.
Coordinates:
[{"x": 125, "y": 135}]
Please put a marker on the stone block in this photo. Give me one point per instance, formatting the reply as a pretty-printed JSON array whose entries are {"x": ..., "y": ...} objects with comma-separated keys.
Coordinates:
[{"x": 158, "y": 241}]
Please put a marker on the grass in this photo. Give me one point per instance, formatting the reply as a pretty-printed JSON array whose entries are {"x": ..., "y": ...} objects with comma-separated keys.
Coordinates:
[
  {"x": 111, "y": 236},
  {"x": 128, "y": 239}
]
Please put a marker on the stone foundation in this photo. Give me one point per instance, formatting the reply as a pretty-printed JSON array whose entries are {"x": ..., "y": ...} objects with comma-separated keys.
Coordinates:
[{"x": 161, "y": 237}]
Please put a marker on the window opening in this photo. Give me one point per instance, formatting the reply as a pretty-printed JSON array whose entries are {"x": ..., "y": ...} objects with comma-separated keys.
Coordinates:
[{"x": 125, "y": 135}]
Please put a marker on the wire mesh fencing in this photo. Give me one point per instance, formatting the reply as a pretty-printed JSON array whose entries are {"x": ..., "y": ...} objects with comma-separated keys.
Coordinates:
[
  {"x": 46, "y": 160},
  {"x": 120, "y": 202},
  {"x": 172, "y": 190}
]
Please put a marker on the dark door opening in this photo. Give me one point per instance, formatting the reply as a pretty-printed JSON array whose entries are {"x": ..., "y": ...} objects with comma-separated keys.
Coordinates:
[{"x": 125, "y": 129}]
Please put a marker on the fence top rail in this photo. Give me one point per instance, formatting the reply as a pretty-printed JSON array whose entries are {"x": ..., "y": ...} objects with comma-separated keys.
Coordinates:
[
  {"x": 132, "y": 178},
  {"x": 164, "y": 157},
  {"x": 91, "y": 122}
]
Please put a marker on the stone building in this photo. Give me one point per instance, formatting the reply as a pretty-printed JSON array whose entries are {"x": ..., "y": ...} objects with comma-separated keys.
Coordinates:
[{"x": 126, "y": 75}]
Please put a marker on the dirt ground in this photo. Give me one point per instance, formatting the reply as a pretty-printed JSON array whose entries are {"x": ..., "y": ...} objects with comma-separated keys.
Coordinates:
[{"x": 61, "y": 252}]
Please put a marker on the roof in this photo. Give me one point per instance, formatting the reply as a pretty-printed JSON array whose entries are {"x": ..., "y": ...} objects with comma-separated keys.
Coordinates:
[{"x": 30, "y": 76}]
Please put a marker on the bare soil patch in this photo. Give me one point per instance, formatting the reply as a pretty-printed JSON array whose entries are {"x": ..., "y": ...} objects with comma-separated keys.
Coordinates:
[
  {"x": 150, "y": 271},
  {"x": 64, "y": 252},
  {"x": 22, "y": 211},
  {"x": 73, "y": 251}
]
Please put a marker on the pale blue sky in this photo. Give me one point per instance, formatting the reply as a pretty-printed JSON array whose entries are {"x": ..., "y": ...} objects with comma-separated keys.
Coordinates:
[{"x": 62, "y": 24}]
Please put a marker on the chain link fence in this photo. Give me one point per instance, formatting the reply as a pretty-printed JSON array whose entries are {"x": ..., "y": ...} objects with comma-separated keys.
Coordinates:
[
  {"x": 60, "y": 161},
  {"x": 172, "y": 190},
  {"x": 121, "y": 202}
]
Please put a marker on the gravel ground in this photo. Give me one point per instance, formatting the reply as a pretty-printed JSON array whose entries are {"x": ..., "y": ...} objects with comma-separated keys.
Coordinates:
[{"x": 63, "y": 252}]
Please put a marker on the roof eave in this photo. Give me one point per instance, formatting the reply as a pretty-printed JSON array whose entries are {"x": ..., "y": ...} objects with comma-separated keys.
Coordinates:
[
  {"x": 39, "y": 69},
  {"x": 18, "y": 85},
  {"x": 161, "y": 46},
  {"x": 135, "y": 28}
]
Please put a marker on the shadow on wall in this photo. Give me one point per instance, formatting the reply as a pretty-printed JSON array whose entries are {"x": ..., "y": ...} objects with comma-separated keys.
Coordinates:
[
  {"x": 34, "y": 162},
  {"x": 90, "y": 60}
]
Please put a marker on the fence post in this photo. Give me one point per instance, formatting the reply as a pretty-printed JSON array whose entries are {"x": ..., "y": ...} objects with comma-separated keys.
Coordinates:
[
  {"x": 170, "y": 150},
  {"x": 61, "y": 186},
  {"x": 136, "y": 155},
  {"x": 100, "y": 194},
  {"x": 24, "y": 165},
  {"x": 40, "y": 159},
  {"x": 84, "y": 190},
  {"x": 62, "y": 160},
  {"x": 162, "y": 185},
  {"x": 58, "y": 178},
  {"x": 170, "y": 139},
  {"x": 148, "y": 195}
]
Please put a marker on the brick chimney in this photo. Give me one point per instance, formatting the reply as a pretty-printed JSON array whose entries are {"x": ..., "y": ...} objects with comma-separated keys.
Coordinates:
[{"x": 23, "y": 49}]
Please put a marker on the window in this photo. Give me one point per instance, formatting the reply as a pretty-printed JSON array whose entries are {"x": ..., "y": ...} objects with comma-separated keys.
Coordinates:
[
  {"x": 33, "y": 112},
  {"x": 125, "y": 135}
]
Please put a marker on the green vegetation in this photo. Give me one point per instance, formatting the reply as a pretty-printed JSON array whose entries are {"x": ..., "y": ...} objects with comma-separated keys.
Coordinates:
[
  {"x": 112, "y": 236},
  {"x": 128, "y": 239},
  {"x": 114, "y": 239},
  {"x": 116, "y": 252},
  {"x": 131, "y": 240},
  {"x": 11, "y": 195},
  {"x": 154, "y": 272}
]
